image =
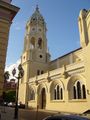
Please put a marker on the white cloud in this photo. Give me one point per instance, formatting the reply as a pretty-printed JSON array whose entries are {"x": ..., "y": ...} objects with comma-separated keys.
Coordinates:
[
  {"x": 18, "y": 28},
  {"x": 19, "y": 25},
  {"x": 9, "y": 68}
]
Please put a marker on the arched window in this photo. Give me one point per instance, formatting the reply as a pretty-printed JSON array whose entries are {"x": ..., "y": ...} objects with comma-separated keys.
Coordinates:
[
  {"x": 40, "y": 43},
  {"x": 32, "y": 94},
  {"x": 32, "y": 43},
  {"x": 84, "y": 91},
  {"x": 54, "y": 94},
  {"x": 79, "y": 90},
  {"x": 74, "y": 90},
  {"x": 58, "y": 92},
  {"x": 61, "y": 94},
  {"x": 42, "y": 72},
  {"x": 38, "y": 72}
]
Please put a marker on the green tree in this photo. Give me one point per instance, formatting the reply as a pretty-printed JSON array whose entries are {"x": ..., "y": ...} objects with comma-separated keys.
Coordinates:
[{"x": 10, "y": 96}]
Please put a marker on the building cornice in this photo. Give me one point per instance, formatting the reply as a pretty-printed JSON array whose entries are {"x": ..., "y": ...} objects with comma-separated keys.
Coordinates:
[
  {"x": 9, "y": 6},
  {"x": 59, "y": 73},
  {"x": 8, "y": 10}
]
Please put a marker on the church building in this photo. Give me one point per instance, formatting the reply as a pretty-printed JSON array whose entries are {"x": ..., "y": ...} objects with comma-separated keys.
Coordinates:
[{"x": 62, "y": 84}]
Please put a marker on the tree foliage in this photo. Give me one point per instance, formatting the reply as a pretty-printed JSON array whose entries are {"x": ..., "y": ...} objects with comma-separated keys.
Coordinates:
[{"x": 10, "y": 96}]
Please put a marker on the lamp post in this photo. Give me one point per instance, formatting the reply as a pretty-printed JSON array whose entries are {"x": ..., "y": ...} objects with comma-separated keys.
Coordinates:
[{"x": 20, "y": 75}]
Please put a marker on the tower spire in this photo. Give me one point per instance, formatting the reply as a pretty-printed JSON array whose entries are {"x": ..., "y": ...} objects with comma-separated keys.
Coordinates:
[{"x": 37, "y": 8}]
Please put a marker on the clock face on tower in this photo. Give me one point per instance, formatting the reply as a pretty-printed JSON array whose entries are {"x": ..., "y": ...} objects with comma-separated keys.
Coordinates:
[{"x": 33, "y": 29}]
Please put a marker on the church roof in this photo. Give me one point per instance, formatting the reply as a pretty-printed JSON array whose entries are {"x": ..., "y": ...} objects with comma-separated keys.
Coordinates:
[{"x": 66, "y": 54}]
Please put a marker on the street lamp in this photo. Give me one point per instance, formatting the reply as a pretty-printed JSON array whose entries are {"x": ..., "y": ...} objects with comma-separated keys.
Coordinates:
[{"x": 20, "y": 75}]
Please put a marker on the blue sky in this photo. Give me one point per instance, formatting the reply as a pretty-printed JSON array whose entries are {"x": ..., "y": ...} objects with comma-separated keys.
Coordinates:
[{"x": 61, "y": 17}]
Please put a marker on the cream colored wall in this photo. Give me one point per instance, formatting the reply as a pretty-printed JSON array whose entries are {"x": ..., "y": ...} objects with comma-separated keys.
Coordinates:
[
  {"x": 87, "y": 58},
  {"x": 88, "y": 26},
  {"x": 66, "y": 60},
  {"x": 85, "y": 42},
  {"x": 29, "y": 64},
  {"x": 83, "y": 28},
  {"x": 32, "y": 104},
  {"x": 65, "y": 105},
  {"x": 76, "y": 72},
  {"x": 22, "y": 93}
]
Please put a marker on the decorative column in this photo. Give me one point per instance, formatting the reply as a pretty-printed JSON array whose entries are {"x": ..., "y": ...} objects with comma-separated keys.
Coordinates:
[{"x": 7, "y": 13}]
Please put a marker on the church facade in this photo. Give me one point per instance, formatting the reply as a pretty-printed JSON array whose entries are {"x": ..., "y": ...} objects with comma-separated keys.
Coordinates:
[{"x": 62, "y": 84}]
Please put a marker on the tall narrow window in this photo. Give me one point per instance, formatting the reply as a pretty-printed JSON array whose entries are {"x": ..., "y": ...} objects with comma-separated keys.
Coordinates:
[
  {"x": 40, "y": 43},
  {"x": 61, "y": 95},
  {"x": 58, "y": 92},
  {"x": 78, "y": 90},
  {"x": 54, "y": 94},
  {"x": 42, "y": 72},
  {"x": 74, "y": 91},
  {"x": 32, "y": 43},
  {"x": 38, "y": 72},
  {"x": 84, "y": 92}
]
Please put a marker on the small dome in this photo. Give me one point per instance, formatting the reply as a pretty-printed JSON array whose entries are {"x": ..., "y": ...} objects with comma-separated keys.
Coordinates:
[{"x": 36, "y": 16}]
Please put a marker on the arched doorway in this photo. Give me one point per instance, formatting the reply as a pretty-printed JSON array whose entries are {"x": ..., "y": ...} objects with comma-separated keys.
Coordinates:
[{"x": 43, "y": 98}]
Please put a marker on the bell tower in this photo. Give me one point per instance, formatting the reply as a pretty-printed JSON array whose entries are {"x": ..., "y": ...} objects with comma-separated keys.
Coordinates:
[
  {"x": 35, "y": 54},
  {"x": 83, "y": 29}
]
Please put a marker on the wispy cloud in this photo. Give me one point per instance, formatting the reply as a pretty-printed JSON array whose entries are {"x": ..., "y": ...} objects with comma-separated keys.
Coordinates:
[
  {"x": 18, "y": 28},
  {"x": 19, "y": 25}
]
